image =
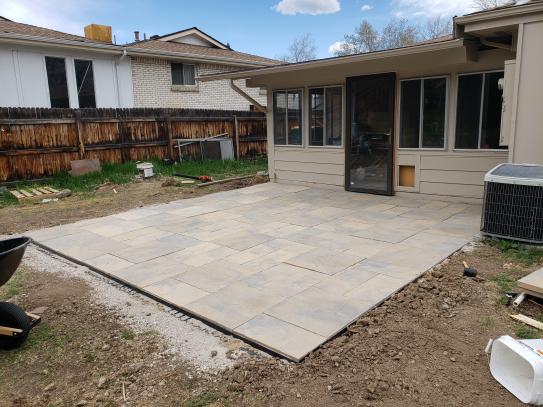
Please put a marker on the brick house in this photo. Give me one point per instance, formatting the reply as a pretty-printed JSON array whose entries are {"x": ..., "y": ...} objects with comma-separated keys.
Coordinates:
[{"x": 165, "y": 71}]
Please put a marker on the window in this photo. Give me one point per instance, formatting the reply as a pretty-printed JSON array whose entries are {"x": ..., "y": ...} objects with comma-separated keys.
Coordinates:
[
  {"x": 478, "y": 111},
  {"x": 325, "y": 116},
  {"x": 85, "y": 83},
  {"x": 56, "y": 78},
  {"x": 183, "y": 74},
  {"x": 287, "y": 117},
  {"x": 423, "y": 112}
]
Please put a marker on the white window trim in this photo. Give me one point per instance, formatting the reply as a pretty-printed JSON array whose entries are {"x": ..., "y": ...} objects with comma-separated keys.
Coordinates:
[
  {"x": 481, "y": 107},
  {"x": 342, "y": 87},
  {"x": 302, "y": 124},
  {"x": 421, "y": 114}
]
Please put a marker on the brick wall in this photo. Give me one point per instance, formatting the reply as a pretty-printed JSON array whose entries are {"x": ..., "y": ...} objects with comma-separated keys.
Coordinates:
[{"x": 153, "y": 88}]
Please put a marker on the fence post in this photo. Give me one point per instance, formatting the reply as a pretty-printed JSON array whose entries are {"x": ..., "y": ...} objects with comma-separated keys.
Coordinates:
[
  {"x": 170, "y": 137},
  {"x": 121, "y": 130},
  {"x": 236, "y": 136},
  {"x": 79, "y": 131}
]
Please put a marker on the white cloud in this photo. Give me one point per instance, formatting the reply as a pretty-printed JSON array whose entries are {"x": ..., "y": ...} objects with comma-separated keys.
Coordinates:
[
  {"x": 312, "y": 7},
  {"x": 59, "y": 15},
  {"x": 366, "y": 7},
  {"x": 335, "y": 47},
  {"x": 431, "y": 8}
]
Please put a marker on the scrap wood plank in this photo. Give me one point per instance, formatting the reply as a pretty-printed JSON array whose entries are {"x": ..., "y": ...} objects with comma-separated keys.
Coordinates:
[
  {"x": 37, "y": 194},
  {"x": 528, "y": 321},
  {"x": 533, "y": 282}
]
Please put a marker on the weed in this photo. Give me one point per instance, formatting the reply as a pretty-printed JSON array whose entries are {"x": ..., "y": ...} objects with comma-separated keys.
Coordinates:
[
  {"x": 505, "y": 281},
  {"x": 488, "y": 322},
  {"x": 202, "y": 400},
  {"x": 89, "y": 357},
  {"x": 127, "y": 335},
  {"x": 527, "y": 255},
  {"x": 13, "y": 286},
  {"x": 523, "y": 332}
]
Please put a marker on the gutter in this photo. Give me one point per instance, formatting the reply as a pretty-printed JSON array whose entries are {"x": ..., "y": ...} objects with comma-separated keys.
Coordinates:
[
  {"x": 326, "y": 62},
  {"x": 23, "y": 39},
  {"x": 193, "y": 57},
  {"x": 513, "y": 11}
]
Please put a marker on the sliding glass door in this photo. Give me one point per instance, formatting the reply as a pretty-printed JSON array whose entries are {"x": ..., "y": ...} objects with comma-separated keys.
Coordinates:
[{"x": 370, "y": 101}]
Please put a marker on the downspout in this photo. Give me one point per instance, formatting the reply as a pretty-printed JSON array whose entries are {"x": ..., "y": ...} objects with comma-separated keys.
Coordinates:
[{"x": 243, "y": 94}]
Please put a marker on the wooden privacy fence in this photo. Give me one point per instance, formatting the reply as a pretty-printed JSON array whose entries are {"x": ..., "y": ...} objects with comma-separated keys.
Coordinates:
[{"x": 41, "y": 142}]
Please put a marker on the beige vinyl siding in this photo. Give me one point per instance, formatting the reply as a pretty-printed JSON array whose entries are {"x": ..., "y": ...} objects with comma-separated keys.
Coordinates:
[{"x": 310, "y": 165}]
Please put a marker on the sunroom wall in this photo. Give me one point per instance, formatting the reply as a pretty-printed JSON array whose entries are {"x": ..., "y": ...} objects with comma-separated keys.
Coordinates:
[{"x": 442, "y": 173}]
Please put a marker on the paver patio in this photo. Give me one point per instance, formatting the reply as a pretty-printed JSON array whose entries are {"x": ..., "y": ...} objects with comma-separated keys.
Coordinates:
[{"x": 283, "y": 266}]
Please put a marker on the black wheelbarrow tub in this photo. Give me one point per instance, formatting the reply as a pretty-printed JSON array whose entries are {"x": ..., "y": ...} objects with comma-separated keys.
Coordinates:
[{"x": 11, "y": 253}]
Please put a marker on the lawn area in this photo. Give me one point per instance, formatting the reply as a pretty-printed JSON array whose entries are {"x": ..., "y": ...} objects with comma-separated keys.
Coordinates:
[{"x": 124, "y": 173}]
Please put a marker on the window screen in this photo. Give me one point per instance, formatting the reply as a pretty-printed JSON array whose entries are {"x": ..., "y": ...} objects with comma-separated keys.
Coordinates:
[
  {"x": 423, "y": 113},
  {"x": 287, "y": 117},
  {"x": 478, "y": 111},
  {"x": 85, "y": 83},
  {"x": 58, "y": 85},
  {"x": 183, "y": 74}
]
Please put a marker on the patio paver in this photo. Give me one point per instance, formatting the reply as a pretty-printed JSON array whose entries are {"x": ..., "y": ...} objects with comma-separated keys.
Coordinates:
[{"x": 283, "y": 266}]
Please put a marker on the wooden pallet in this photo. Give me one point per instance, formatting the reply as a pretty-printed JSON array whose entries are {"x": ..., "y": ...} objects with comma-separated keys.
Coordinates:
[{"x": 32, "y": 194}]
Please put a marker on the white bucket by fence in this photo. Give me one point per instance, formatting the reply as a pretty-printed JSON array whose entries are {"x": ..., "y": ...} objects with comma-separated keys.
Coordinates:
[
  {"x": 518, "y": 366},
  {"x": 145, "y": 169}
]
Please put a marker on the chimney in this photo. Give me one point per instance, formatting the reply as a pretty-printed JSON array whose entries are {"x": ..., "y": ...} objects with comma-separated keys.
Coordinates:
[
  {"x": 97, "y": 32},
  {"x": 136, "y": 36},
  {"x": 144, "y": 36}
]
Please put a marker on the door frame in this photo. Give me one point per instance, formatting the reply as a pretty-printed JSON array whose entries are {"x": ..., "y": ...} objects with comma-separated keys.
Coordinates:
[{"x": 390, "y": 173}]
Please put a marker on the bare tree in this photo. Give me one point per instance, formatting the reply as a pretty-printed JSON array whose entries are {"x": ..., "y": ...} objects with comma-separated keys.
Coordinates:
[
  {"x": 364, "y": 39},
  {"x": 397, "y": 33},
  {"x": 301, "y": 49},
  {"x": 437, "y": 27},
  {"x": 488, "y": 4}
]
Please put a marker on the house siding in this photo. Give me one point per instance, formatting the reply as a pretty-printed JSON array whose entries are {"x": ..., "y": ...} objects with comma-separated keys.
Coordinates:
[{"x": 152, "y": 85}]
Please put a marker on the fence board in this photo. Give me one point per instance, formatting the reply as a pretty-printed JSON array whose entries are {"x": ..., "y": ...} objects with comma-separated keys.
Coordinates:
[{"x": 36, "y": 142}]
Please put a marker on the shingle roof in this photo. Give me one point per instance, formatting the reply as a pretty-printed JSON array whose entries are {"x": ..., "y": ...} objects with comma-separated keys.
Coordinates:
[
  {"x": 199, "y": 51},
  {"x": 8, "y": 26}
]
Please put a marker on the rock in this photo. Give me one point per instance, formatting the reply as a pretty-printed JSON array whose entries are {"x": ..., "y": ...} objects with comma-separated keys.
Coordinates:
[
  {"x": 50, "y": 387},
  {"x": 213, "y": 353},
  {"x": 102, "y": 381},
  {"x": 38, "y": 311},
  {"x": 453, "y": 359},
  {"x": 81, "y": 403},
  {"x": 106, "y": 347}
]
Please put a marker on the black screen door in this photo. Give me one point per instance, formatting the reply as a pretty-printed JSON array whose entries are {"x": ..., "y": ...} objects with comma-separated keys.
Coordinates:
[{"x": 370, "y": 101}]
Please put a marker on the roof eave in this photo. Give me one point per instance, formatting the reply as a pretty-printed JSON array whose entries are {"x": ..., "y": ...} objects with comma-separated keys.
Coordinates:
[
  {"x": 320, "y": 63},
  {"x": 500, "y": 13},
  {"x": 134, "y": 51},
  {"x": 23, "y": 39}
]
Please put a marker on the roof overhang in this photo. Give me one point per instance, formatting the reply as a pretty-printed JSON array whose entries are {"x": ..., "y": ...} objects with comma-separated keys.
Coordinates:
[
  {"x": 504, "y": 19},
  {"x": 30, "y": 40},
  {"x": 184, "y": 56},
  {"x": 337, "y": 61}
]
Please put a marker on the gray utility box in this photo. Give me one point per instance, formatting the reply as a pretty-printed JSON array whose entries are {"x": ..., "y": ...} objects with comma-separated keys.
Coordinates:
[
  {"x": 513, "y": 203},
  {"x": 218, "y": 149}
]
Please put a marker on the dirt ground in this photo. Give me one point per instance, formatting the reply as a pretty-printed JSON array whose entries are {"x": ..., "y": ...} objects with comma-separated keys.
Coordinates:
[
  {"x": 424, "y": 346},
  {"x": 107, "y": 199}
]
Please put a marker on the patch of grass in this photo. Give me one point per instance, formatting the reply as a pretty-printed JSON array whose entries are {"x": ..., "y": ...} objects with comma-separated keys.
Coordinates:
[
  {"x": 89, "y": 357},
  {"x": 13, "y": 286},
  {"x": 488, "y": 322},
  {"x": 505, "y": 281},
  {"x": 522, "y": 253},
  {"x": 42, "y": 336},
  {"x": 124, "y": 173},
  {"x": 524, "y": 332},
  {"x": 128, "y": 335},
  {"x": 202, "y": 400}
]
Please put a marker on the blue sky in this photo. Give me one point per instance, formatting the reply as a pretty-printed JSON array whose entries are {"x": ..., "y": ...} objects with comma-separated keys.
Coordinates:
[{"x": 262, "y": 27}]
